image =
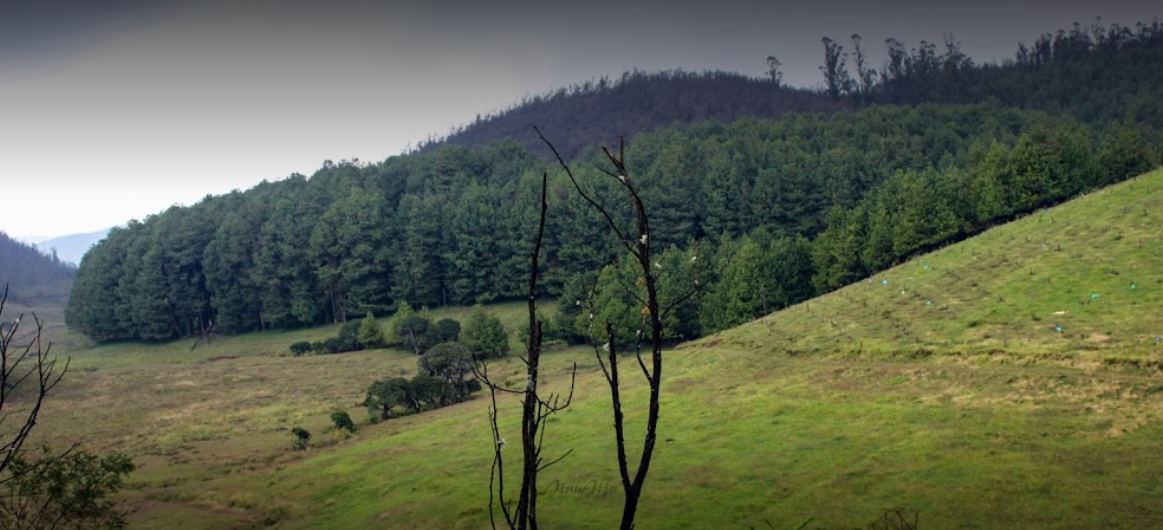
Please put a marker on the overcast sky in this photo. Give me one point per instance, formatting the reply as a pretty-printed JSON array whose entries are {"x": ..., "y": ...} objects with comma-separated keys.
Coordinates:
[{"x": 115, "y": 112}]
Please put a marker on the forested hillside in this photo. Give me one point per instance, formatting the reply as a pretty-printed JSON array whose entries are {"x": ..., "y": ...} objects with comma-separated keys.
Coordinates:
[
  {"x": 772, "y": 211},
  {"x": 34, "y": 277},
  {"x": 595, "y": 113},
  {"x": 1094, "y": 72}
]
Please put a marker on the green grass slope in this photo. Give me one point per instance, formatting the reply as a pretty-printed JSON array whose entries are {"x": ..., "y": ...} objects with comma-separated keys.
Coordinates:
[
  {"x": 751, "y": 436},
  {"x": 1083, "y": 280}
]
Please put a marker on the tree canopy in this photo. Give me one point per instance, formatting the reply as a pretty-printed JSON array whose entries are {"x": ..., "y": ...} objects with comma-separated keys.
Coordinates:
[{"x": 879, "y": 174}]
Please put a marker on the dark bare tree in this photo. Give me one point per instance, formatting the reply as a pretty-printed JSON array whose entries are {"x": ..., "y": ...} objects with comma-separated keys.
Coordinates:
[
  {"x": 535, "y": 409},
  {"x": 46, "y": 490},
  {"x": 27, "y": 374},
  {"x": 637, "y": 244}
]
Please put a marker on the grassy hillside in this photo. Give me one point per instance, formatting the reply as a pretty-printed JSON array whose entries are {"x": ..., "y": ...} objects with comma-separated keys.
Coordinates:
[
  {"x": 1078, "y": 281},
  {"x": 753, "y": 436}
]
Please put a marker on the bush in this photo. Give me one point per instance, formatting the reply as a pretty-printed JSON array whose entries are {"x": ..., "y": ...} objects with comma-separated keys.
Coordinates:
[
  {"x": 67, "y": 491},
  {"x": 450, "y": 361},
  {"x": 386, "y": 394},
  {"x": 333, "y": 345},
  {"x": 342, "y": 420},
  {"x": 484, "y": 334},
  {"x": 392, "y": 334},
  {"x": 432, "y": 391},
  {"x": 300, "y": 348},
  {"x": 418, "y": 334},
  {"x": 448, "y": 330},
  {"x": 349, "y": 336},
  {"x": 371, "y": 335},
  {"x": 302, "y": 439}
]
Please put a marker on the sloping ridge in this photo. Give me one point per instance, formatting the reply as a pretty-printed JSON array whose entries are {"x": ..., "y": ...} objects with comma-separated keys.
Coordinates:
[{"x": 1082, "y": 280}]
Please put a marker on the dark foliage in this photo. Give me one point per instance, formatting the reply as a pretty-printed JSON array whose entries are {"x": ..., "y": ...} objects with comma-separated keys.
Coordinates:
[
  {"x": 638, "y": 102},
  {"x": 397, "y": 395},
  {"x": 342, "y": 420},
  {"x": 67, "y": 491},
  {"x": 419, "y": 334},
  {"x": 302, "y": 438},
  {"x": 1094, "y": 72},
  {"x": 449, "y": 225},
  {"x": 300, "y": 348},
  {"x": 41, "y": 277},
  {"x": 448, "y": 330},
  {"x": 451, "y": 362}
]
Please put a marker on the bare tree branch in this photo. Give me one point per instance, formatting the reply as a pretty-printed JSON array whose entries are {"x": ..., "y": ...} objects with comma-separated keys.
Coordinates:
[
  {"x": 535, "y": 409},
  {"x": 640, "y": 249},
  {"x": 43, "y": 374}
]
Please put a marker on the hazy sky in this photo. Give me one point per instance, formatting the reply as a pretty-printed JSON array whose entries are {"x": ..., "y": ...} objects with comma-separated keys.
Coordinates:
[{"x": 115, "y": 112}]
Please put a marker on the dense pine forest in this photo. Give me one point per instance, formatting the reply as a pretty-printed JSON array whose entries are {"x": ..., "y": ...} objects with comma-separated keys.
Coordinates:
[
  {"x": 1094, "y": 72},
  {"x": 596, "y": 112},
  {"x": 766, "y": 195}
]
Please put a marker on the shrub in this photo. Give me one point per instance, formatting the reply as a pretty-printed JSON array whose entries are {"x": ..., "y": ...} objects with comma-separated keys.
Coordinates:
[
  {"x": 349, "y": 336},
  {"x": 300, "y": 348},
  {"x": 433, "y": 391},
  {"x": 450, "y": 361},
  {"x": 342, "y": 420},
  {"x": 333, "y": 345},
  {"x": 484, "y": 334},
  {"x": 302, "y": 438},
  {"x": 418, "y": 333},
  {"x": 448, "y": 330},
  {"x": 385, "y": 394},
  {"x": 371, "y": 335},
  {"x": 72, "y": 490}
]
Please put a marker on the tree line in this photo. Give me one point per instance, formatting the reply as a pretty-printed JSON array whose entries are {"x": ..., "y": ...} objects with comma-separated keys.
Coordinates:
[
  {"x": 1096, "y": 72},
  {"x": 595, "y": 112},
  {"x": 451, "y": 226}
]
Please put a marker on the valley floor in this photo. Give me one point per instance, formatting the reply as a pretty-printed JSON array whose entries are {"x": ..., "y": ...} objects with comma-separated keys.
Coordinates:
[{"x": 752, "y": 438}]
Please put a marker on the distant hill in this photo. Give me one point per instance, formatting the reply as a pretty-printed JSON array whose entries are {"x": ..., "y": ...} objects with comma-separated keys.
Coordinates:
[
  {"x": 72, "y": 248},
  {"x": 1080, "y": 281},
  {"x": 582, "y": 117},
  {"x": 34, "y": 278},
  {"x": 1096, "y": 73}
]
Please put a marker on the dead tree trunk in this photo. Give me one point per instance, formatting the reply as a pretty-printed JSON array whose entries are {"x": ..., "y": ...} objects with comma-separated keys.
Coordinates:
[
  {"x": 534, "y": 411},
  {"x": 638, "y": 245}
]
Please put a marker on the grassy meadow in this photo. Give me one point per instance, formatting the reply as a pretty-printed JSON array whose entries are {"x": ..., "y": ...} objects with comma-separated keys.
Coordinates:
[{"x": 984, "y": 386}]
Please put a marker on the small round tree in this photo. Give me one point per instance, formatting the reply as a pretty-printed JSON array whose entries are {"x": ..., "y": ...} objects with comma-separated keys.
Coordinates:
[
  {"x": 484, "y": 334},
  {"x": 342, "y": 420},
  {"x": 393, "y": 336},
  {"x": 384, "y": 394},
  {"x": 349, "y": 336},
  {"x": 417, "y": 333},
  {"x": 433, "y": 391},
  {"x": 371, "y": 335},
  {"x": 448, "y": 330},
  {"x": 450, "y": 361}
]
